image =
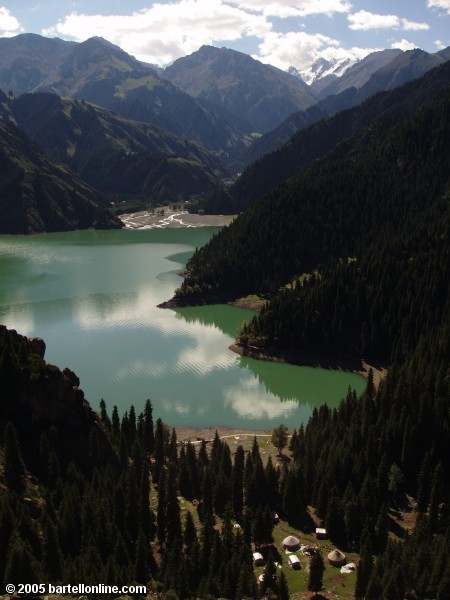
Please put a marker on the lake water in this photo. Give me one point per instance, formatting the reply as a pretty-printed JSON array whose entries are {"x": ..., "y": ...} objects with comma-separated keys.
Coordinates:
[{"x": 93, "y": 297}]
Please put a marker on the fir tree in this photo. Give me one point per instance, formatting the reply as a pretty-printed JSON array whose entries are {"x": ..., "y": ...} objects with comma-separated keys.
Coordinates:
[
  {"x": 316, "y": 571},
  {"x": 283, "y": 590},
  {"x": 115, "y": 424},
  {"x": 190, "y": 531},
  {"x": 149, "y": 436},
  {"x": 238, "y": 481},
  {"x": 161, "y": 515},
  {"x": 14, "y": 471}
]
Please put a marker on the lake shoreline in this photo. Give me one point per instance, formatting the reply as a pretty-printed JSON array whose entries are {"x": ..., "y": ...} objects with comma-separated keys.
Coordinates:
[
  {"x": 337, "y": 362},
  {"x": 198, "y": 434}
]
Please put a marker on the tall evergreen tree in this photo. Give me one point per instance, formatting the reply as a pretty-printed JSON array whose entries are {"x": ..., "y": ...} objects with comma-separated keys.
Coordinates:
[
  {"x": 316, "y": 571},
  {"x": 14, "y": 470},
  {"x": 161, "y": 515},
  {"x": 149, "y": 435}
]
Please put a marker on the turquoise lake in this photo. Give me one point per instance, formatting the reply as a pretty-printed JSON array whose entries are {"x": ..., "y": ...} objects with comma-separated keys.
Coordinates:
[{"x": 93, "y": 295}]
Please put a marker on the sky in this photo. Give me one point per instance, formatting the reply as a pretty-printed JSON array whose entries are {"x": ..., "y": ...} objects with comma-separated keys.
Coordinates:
[{"x": 283, "y": 33}]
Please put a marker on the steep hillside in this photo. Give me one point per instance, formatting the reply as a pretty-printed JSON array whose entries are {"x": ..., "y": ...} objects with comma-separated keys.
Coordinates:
[
  {"x": 388, "y": 181},
  {"x": 260, "y": 94},
  {"x": 310, "y": 143},
  {"x": 99, "y": 72},
  {"x": 37, "y": 396},
  {"x": 404, "y": 67},
  {"x": 38, "y": 194},
  {"x": 111, "y": 153}
]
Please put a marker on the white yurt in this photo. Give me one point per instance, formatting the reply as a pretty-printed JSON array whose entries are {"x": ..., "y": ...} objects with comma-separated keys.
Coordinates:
[
  {"x": 291, "y": 543},
  {"x": 336, "y": 558}
]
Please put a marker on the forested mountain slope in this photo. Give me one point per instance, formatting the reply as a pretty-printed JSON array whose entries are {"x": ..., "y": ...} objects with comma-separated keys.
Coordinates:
[
  {"x": 85, "y": 497},
  {"x": 116, "y": 155},
  {"x": 405, "y": 67},
  {"x": 313, "y": 142},
  {"x": 368, "y": 222},
  {"x": 38, "y": 194},
  {"x": 362, "y": 241}
]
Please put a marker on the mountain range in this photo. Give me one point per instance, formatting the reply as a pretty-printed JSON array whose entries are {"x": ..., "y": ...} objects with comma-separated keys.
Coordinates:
[
  {"x": 101, "y": 73},
  {"x": 261, "y": 95},
  {"x": 130, "y": 130},
  {"x": 116, "y": 155},
  {"x": 321, "y": 137},
  {"x": 377, "y": 72}
]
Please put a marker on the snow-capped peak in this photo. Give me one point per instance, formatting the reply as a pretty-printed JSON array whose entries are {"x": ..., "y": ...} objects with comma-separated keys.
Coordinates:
[{"x": 322, "y": 68}]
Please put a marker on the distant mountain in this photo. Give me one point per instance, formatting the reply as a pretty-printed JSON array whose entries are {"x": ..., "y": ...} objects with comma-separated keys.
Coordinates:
[
  {"x": 356, "y": 75},
  {"x": 322, "y": 70},
  {"x": 102, "y": 73},
  {"x": 403, "y": 67},
  {"x": 111, "y": 153},
  {"x": 315, "y": 141},
  {"x": 260, "y": 94},
  {"x": 37, "y": 194}
]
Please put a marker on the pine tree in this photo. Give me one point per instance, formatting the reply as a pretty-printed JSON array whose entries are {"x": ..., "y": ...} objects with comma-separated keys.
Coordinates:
[
  {"x": 51, "y": 553},
  {"x": 238, "y": 481},
  {"x": 21, "y": 566},
  {"x": 283, "y": 590},
  {"x": 365, "y": 565},
  {"x": 435, "y": 497},
  {"x": 14, "y": 471},
  {"x": 316, "y": 571},
  {"x": 159, "y": 450},
  {"x": 190, "y": 531},
  {"x": 161, "y": 515},
  {"x": 149, "y": 436},
  {"x": 141, "y": 570},
  {"x": 115, "y": 424},
  {"x": 173, "y": 521},
  {"x": 104, "y": 415},
  {"x": 270, "y": 570}
]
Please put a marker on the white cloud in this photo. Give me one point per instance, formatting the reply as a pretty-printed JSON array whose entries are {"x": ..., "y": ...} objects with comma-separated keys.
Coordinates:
[
  {"x": 404, "y": 45},
  {"x": 413, "y": 26},
  {"x": 300, "y": 8},
  {"x": 366, "y": 20},
  {"x": 246, "y": 400},
  {"x": 444, "y": 4},
  {"x": 439, "y": 44},
  {"x": 165, "y": 32},
  {"x": 9, "y": 25},
  {"x": 301, "y": 49}
]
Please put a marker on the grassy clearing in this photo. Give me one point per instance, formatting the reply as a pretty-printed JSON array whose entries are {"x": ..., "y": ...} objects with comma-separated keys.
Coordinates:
[{"x": 336, "y": 584}]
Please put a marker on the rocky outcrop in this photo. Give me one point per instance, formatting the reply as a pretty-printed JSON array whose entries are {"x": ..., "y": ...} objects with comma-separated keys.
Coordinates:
[{"x": 36, "y": 396}]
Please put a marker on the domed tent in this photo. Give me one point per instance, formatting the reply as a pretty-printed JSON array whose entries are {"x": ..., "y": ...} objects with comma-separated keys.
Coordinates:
[
  {"x": 336, "y": 558},
  {"x": 291, "y": 543}
]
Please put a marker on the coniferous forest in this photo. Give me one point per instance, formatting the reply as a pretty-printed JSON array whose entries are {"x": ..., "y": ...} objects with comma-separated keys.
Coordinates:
[{"x": 353, "y": 258}]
